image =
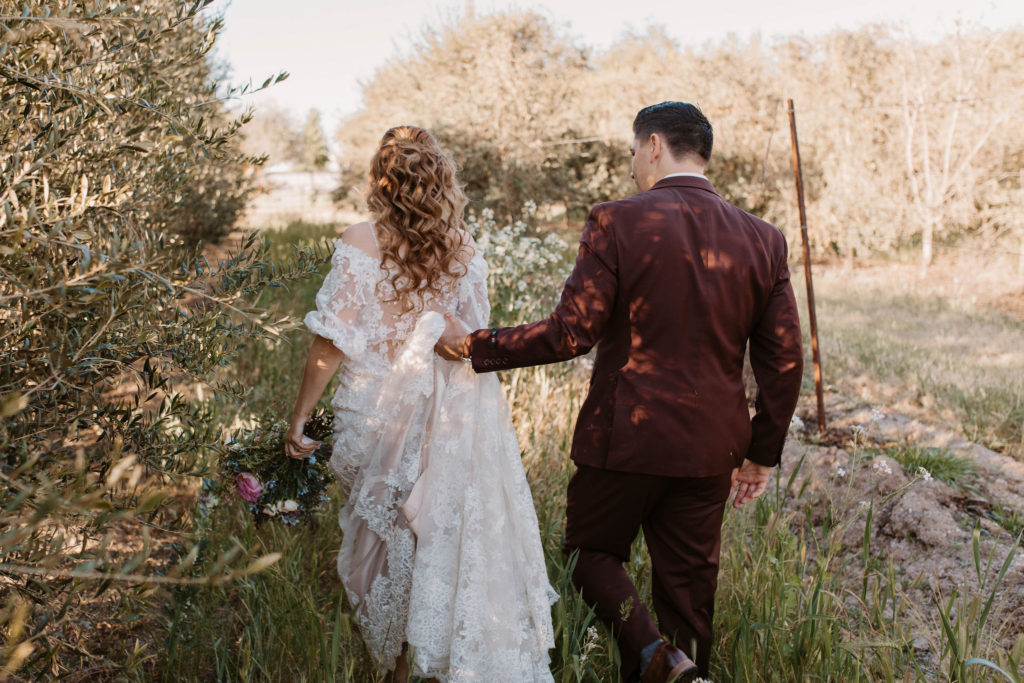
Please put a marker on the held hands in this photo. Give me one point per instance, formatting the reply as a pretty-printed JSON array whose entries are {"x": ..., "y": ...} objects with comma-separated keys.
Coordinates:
[
  {"x": 454, "y": 343},
  {"x": 749, "y": 481},
  {"x": 296, "y": 444}
]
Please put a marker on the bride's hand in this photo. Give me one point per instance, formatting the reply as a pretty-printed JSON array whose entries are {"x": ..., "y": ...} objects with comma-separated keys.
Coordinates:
[
  {"x": 454, "y": 343},
  {"x": 296, "y": 445}
]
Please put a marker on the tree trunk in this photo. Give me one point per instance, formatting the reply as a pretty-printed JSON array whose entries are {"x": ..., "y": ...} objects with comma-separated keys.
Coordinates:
[
  {"x": 1020, "y": 261},
  {"x": 926, "y": 244}
]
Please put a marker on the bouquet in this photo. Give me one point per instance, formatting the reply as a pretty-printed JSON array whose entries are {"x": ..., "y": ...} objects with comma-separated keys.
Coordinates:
[{"x": 273, "y": 484}]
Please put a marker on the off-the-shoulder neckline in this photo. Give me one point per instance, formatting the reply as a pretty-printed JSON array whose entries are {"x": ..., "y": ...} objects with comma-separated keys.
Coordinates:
[{"x": 340, "y": 242}]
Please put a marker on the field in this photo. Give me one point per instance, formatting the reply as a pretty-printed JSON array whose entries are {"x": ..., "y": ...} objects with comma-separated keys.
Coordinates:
[{"x": 857, "y": 565}]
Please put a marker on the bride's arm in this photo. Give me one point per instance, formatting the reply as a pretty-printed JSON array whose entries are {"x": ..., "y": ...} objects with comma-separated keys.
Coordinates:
[{"x": 321, "y": 364}]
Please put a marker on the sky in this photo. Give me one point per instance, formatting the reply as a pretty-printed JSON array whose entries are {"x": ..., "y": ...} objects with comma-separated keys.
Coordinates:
[{"x": 330, "y": 46}]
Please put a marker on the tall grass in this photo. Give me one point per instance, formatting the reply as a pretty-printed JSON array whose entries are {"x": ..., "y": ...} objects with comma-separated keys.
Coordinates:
[
  {"x": 794, "y": 603},
  {"x": 287, "y": 623}
]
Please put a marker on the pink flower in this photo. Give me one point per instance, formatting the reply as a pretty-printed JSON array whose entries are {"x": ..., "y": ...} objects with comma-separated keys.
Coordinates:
[{"x": 249, "y": 487}]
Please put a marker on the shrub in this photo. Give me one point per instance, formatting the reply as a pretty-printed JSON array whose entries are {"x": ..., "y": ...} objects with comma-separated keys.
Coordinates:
[
  {"x": 111, "y": 142},
  {"x": 525, "y": 273}
]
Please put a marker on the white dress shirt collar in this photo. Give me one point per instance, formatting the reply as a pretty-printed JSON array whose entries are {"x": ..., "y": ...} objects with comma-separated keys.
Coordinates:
[{"x": 685, "y": 175}]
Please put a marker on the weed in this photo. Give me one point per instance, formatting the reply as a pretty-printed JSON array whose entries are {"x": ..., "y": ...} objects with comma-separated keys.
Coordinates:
[{"x": 940, "y": 463}]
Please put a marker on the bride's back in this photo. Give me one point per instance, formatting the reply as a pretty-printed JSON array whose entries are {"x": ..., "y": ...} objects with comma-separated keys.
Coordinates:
[
  {"x": 415, "y": 257},
  {"x": 388, "y": 318}
]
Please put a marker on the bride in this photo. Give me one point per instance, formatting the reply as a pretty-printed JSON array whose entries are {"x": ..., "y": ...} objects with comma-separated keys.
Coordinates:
[{"x": 441, "y": 555}]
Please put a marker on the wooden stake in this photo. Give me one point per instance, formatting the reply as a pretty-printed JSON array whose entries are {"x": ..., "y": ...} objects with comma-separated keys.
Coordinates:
[{"x": 798, "y": 172}]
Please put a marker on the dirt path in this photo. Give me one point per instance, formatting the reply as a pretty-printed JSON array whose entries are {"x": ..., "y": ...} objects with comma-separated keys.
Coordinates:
[{"x": 923, "y": 526}]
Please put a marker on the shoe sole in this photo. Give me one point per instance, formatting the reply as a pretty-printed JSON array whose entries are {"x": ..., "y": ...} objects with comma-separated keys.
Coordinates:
[{"x": 684, "y": 673}]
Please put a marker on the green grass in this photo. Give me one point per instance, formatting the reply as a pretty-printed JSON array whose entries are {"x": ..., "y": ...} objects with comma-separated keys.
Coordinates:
[
  {"x": 287, "y": 623},
  {"x": 1009, "y": 519},
  {"x": 270, "y": 369},
  {"x": 941, "y": 463}
]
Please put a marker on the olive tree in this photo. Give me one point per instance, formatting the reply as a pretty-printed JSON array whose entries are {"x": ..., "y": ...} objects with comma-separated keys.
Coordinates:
[{"x": 115, "y": 152}]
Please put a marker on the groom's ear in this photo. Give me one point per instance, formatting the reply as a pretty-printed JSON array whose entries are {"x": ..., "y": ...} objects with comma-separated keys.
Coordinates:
[{"x": 657, "y": 146}]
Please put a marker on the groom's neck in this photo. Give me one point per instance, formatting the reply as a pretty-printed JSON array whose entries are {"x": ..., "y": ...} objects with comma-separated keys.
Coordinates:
[{"x": 688, "y": 164}]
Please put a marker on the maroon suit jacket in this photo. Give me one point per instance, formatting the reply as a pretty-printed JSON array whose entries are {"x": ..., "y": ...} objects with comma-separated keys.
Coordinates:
[{"x": 670, "y": 285}]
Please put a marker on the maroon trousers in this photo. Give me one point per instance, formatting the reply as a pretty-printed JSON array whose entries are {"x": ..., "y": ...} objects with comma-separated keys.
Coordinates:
[{"x": 681, "y": 518}]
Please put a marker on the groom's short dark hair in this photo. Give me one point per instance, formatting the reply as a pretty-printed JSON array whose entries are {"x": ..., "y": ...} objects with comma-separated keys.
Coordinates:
[{"x": 684, "y": 126}]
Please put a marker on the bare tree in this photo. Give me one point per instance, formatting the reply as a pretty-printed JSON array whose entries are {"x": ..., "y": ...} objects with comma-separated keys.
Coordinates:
[
  {"x": 497, "y": 90},
  {"x": 950, "y": 113},
  {"x": 313, "y": 153},
  {"x": 272, "y": 134}
]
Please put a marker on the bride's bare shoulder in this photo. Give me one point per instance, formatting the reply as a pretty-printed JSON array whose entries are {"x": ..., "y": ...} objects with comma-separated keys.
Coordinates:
[
  {"x": 469, "y": 247},
  {"x": 362, "y": 237}
]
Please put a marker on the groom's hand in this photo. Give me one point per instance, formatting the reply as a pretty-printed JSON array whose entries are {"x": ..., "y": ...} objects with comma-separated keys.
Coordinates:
[
  {"x": 749, "y": 481},
  {"x": 454, "y": 343}
]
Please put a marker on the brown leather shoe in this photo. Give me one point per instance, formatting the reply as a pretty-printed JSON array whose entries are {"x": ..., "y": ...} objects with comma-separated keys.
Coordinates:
[{"x": 669, "y": 665}]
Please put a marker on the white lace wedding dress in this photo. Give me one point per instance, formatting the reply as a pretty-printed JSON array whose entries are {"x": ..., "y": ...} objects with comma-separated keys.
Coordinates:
[{"x": 441, "y": 545}]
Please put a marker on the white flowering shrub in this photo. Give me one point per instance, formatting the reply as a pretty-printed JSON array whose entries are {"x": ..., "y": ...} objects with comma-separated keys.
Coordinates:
[{"x": 527, "y": 272}]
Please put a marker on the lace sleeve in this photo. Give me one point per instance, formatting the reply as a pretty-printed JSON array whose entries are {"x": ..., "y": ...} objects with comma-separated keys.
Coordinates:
[
  {"x": 341, "y": 302},
  {"x": 474, "y": 305}
]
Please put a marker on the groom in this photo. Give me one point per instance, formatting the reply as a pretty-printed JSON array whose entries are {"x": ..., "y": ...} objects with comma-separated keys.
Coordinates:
[{"x": 670, "y": 285}]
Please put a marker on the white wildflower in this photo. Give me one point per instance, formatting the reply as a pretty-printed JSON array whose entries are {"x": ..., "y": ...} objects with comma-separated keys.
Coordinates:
[
  {"x": 924, "y": 474},
  {"x": 591, "y": 639},
  {"x": 589, "y": 644},
  {"x": 876, "y": 415},
  {"x": 858, "y": 430},
  {"x": 864, "y": 504},
  {"x": 840, "y": 472},
  {"x": 796, "y": 423},
  {"x": 881, "y": 466},
  {"x": 281, "y": 507}
]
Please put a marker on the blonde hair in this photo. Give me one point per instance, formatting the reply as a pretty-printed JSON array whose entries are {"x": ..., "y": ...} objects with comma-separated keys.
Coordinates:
[{"x": 417, "y": 203}]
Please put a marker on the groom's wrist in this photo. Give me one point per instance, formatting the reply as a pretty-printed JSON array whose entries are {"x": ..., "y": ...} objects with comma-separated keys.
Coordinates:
[{"x": 481, "y": 349}]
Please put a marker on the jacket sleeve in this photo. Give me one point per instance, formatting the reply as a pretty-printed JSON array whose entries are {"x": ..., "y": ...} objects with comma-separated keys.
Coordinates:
[
  {"x": 776, "y": 356},
  {"x": 578, "y": 320}
]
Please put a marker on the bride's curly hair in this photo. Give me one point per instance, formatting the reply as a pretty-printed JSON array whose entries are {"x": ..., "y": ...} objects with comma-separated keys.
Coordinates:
[{"x": 417, "y": 203}]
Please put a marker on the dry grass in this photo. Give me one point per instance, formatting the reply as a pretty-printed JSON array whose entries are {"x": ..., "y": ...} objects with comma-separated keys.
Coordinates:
[{"x": 935, "y": 347}]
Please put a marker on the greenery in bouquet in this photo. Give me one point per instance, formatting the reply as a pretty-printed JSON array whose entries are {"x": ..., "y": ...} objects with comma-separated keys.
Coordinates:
[{"x": 256, "y": 469}]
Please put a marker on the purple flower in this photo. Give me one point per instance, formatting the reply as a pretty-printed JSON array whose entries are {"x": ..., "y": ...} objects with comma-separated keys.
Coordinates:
[{"x": 249, "y": 487}]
